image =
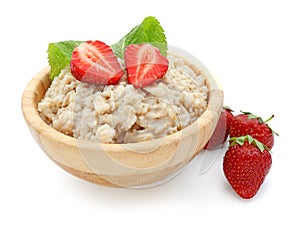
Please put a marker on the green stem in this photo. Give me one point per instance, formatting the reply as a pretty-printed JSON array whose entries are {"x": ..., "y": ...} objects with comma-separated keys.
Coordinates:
[{"x": 270, "y": 118}]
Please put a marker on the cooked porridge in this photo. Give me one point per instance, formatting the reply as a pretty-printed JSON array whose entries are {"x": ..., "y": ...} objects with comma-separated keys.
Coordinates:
[{"x": 121, "y": 113}]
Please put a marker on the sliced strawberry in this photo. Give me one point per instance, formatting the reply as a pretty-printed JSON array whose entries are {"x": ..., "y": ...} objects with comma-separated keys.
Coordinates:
[
  {"x": 94, "y": 62},
  {"x": 144, "y": 64}
]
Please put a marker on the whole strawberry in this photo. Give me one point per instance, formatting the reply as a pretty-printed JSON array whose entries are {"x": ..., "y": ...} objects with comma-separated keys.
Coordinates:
[
  {"x": 246, "y": 164},
  {"x": 221, "y": 131},
  {"x": 249, "y": 124}
]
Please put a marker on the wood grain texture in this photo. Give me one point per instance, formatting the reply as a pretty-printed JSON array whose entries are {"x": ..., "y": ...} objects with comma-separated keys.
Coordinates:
[{"x": 121, "y": 165}]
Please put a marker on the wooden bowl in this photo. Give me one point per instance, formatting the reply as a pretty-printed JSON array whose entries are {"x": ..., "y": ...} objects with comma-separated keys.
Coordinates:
[{"x": 123, "y": 165}]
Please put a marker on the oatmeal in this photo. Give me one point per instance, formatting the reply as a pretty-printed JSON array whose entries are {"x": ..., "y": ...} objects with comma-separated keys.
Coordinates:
[{"x": 122, "y": 113}]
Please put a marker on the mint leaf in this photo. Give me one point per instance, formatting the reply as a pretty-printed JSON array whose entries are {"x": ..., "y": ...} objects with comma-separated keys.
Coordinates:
[
  {"x": 149, "y": 31},
  {"x": 59, "y": 56}
]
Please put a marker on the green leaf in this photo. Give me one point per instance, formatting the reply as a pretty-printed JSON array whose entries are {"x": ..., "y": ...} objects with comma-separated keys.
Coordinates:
[
  {"x": 59, "y": 56},
  {"x": 250, "y": 139},
  {"x": 232, "y": 139},
  {"x": 149, "y": 31},
  {"x": 240, "y": 140},
  {"x": 259, "y": 145}
]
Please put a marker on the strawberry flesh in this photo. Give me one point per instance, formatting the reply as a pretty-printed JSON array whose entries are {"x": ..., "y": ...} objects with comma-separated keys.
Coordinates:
[
  {"x": 144, "y": 64},
  {"x": 94, "y": 62}
]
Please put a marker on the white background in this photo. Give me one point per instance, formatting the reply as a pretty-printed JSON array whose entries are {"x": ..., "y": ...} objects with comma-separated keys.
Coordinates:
[{"x": 253, "y": 47}]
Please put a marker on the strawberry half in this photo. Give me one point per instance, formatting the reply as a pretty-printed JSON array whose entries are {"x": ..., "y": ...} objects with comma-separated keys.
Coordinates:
[
  {"x": 94, "y": 62},
  {"x": 144, "y": 64}
]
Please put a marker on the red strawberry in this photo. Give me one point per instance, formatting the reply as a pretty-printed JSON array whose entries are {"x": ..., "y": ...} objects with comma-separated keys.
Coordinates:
[
  {"x": 245, "y": 165},
  {"x": 221, "y": 131},
  {"x": 94, "y": 62},
  {"x": 144, "y": 64},
  {"x": 250, "y": 124}
]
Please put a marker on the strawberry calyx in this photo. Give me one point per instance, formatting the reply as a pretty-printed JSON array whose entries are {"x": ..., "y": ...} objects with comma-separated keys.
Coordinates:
[
  {"x": 260, "y": 120},
  {"x": 253, "y": 116},
  {"x": 225, "y": 107},
  {"x": 252, "y": 141}
]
